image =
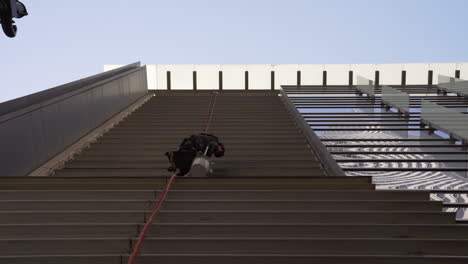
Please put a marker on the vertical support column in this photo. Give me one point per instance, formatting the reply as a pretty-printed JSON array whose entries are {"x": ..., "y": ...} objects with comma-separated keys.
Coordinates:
[
  {"x": 272, "y": 80},
  {"x": 220, "y": 78},
  {"x": 403, "y": 78},
  {"x": 377, "y": 78},
  {"x": 324, "y": 83},
  {"x": 168, "y": 77},
  {"x": 457, "y": 74},
  {"x": 298, "y": 78},
  {"x": 194, "y": 80},
  {"x": 246, "y": 80},
  {"x": 350, "y": 78},
  {"x": 430, "y": 78}
]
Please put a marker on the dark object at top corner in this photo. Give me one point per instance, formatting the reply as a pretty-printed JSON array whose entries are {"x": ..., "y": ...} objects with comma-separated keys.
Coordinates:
[{"x": 10, "y": 9}]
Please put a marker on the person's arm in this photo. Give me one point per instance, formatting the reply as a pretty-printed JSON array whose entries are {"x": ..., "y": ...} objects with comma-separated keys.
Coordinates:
[{"x": 184, "y": 142}]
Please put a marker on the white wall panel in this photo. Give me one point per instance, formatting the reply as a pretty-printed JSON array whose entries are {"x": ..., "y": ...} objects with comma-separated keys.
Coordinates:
[
  {"x": 337, "y": 74},
  {"x": 259, "y": 77},
  {"x": 285, "y": 75},
  {"x": 365, "y": 70},
  {"x": 416, "y": 73},
  {"x": 447, "y": 69},
  {"x": 161, "y": 77},
  {"x": 207, "y": 77},
  {"x": 151, "y": 74},
  {"x": 390, "y": 74},
  {"x": 233, "y": 77},
  {"x": 463, "y": 67},
  {"x": 311, "y": 74},
  {"x": 182, "y": 77}
]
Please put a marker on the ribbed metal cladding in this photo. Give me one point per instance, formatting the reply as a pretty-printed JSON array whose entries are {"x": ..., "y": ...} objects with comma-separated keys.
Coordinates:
[
  {"x": 268, "y": 201},
  {"x": 260, "y": 137}
]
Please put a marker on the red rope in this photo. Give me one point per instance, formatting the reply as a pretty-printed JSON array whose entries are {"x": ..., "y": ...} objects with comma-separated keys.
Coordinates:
[
  {"x": 213, "y": 97},
  {"x": 141, "y": 237}
]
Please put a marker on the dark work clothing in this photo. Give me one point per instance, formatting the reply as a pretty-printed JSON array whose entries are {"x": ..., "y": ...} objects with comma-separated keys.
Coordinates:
[
  {"x": 182, "y": 158},
  {"x": 199, "y": 143}
]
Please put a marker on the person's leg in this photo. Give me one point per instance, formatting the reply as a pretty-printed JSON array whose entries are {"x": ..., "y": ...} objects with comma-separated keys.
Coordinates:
[{"x": 183, "y": 161}]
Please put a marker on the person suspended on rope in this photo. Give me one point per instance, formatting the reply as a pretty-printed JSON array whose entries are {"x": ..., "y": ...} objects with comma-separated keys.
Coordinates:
[{"x": 202, "y": 145}]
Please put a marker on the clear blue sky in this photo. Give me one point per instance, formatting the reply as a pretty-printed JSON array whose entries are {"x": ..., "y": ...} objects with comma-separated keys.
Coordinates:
[{"x": 64, "y": 40}]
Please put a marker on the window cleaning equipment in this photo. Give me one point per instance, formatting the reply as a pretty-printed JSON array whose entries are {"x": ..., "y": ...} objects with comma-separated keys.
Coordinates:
[{"x": 201, "y": 165}]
